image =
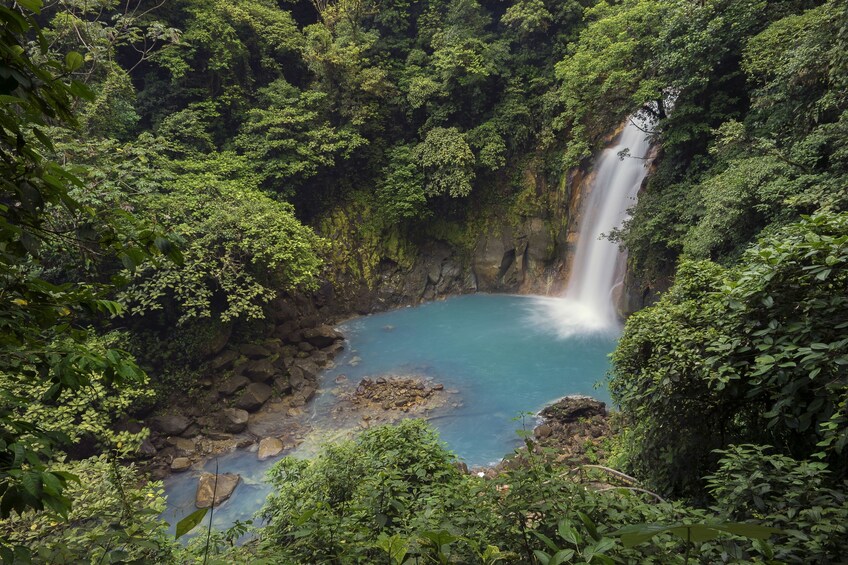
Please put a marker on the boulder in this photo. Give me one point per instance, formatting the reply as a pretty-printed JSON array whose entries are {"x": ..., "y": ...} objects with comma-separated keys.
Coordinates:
[
  {"x": 296, "y": 378},
  {"x": 320, "y": 358},
  {"x": 215, "y": 491},
  {"x": 310, "y": 370},
  {"x": 333, "y": 350},
  {"x": 180, "y": 464},
  {"x": 254, "y": 396},
  {"x": 233, "y": 384},
  {"x": 255, "y": 351},
  {"x": 322, "y": 336},
  {"x": 307, "y": 393},
  {"x": 235, "y": 420},
  {"x": 269, "y": 447},
  {"x": 183, "y": 446},
  {"x": 215, "y": 339},
  {"x": 170, "y": 424},
  {"x": 192, "y": 431},
  {"x": 542, "y": 431},
  {"x": 573, "y": 408},
  {"x": 260, "y": 371},
  {"x": 224, "y": 360},
  {"x": 147, "y": 448},
  {"x": 283, "y": 385}
]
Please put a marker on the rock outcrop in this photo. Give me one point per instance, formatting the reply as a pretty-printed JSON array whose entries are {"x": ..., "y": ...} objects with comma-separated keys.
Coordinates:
[{"x": 575, "y": 426}]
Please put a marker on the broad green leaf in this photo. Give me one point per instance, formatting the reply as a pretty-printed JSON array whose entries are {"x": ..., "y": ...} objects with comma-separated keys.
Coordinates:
[
  {"x": 188, "y": 523},
  {"x": 73, "y": 61}
]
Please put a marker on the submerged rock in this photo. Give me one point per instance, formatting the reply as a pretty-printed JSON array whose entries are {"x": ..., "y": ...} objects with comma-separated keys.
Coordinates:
[
  {"x": 211, "y": 491},
  {"x": 390, "y": 398},
  {"x": 269, "y": 447},
  {"x": 180, "y": 464}
]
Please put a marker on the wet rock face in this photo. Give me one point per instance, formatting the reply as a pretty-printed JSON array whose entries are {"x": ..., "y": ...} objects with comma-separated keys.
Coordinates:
[{"x": 211, "y": 491}]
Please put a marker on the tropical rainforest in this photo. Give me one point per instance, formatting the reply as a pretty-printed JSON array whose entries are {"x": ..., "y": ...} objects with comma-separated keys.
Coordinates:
[{"x": 173, "y": 167}]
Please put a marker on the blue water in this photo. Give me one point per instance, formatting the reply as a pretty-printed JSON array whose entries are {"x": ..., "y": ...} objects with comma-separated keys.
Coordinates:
[
  {"x": 503, "y": 355},
  {"x": 493, "y": 350}
]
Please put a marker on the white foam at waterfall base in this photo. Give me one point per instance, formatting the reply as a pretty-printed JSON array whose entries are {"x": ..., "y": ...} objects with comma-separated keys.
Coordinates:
[{"x": 566, "y": 318}]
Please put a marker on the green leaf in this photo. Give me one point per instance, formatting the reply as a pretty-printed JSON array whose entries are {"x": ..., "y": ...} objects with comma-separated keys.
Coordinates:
[
  {"x": 568, "y": 533},
  {"x": 73, "y": 61},
  {"x": 31, "y": 5},
  {"x": 188, "y": 523},
  {"x": 543, "y": 557},
  {"x": 561, "y": 556}
]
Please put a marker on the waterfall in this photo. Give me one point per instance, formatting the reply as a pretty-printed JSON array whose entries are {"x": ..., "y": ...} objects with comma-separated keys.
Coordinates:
[{"x": 597, "y": 268}]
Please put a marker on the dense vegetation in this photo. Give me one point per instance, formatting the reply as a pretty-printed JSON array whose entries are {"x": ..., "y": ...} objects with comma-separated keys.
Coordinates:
[{"x": 164, "y": 167}]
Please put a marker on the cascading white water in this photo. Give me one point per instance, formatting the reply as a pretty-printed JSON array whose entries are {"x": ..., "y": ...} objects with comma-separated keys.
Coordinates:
[{"x": 597, "y": 269}]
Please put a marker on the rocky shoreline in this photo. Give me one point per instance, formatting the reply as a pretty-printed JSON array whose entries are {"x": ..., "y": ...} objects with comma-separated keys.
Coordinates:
[
  {"x": 253, "y": 395},
  {"x": 576, "y": 427},
  {"x": 573, "y": 430}
]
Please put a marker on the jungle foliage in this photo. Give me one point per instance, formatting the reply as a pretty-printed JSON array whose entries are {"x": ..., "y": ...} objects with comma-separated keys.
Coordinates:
[{"x": 163, "y": 170}]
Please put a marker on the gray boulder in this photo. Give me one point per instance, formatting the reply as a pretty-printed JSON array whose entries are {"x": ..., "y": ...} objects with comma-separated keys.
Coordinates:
[
  {"x": 233, "y": 384},
  {"x": 255, "y": 351},
  {"x": 322, "y": 336},
  {"x": 224, "y": 360},
  {"x": 296, "y": 378},
  {"x": 570, "y": 409},
  {"x": 260, "y": 371},
  {"x": 235, "y": 420},
  {"x": 170, "y": 424},
  {"x": 254, "y": 396},
  {"x": 309, "y": 369},
  {"x": 283, "y": 385}
]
